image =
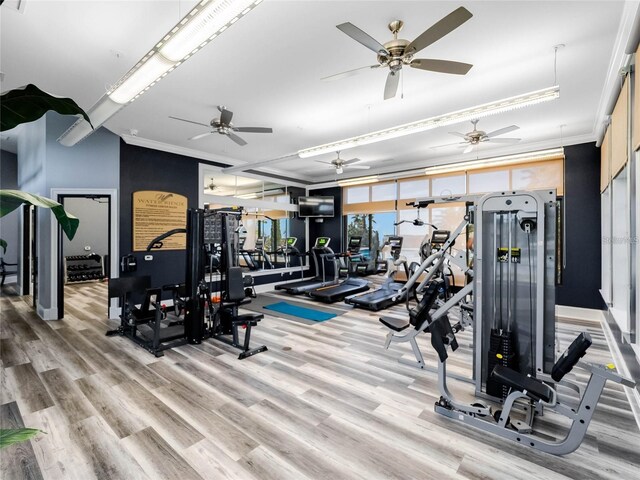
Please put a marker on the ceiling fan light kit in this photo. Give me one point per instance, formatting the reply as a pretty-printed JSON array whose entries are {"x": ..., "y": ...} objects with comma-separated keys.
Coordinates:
[
  {"x": 473, "y": 113},
  {"x": 205, "y": 21}
]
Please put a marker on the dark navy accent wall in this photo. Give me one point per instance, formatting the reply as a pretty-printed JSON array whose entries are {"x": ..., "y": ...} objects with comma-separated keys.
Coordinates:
[
  {"x": 581, "y": 277},
  {"x": 145, "y": 169},
  {"x": 329, "y": 227}
]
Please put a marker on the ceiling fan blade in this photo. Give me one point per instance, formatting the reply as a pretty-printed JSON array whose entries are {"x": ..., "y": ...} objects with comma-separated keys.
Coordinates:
[
  {"x": 504, "y": 140},
  {"x": 324, "y": 161},
  {"x": 225, "y": 116},
  {"x": 236, "y": 139},
  {"x": 391, "y": 87},
  {"x": 439, "y": 29},
  {"x": 362, "y": 37},
  {"x": 458, "y": 134},
  {"x": 253, "y": 129},
  {"x": 202, "y": 135},
  {"x": 502, "y": 131},
  {"x": 350, "y": 161},
  {"x": 190, "y": 121},
  {"x": 442, "y": 66},
  {"x": 358, "y": 167},
  {"x": 469, "y": 148},
  {"x": 450, "y": 145},
  {"x": 349, "y": 73}
]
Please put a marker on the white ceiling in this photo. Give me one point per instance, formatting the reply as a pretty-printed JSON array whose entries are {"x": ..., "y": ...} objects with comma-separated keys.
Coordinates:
[{"x": 267, "y": 69}]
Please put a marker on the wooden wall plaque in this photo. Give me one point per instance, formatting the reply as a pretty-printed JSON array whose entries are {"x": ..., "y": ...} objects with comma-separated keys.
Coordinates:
[{"x": 155, "y": 213}]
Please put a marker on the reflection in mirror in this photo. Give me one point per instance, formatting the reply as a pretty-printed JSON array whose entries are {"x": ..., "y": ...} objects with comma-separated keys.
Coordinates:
[
  {"x": 265, "y": 242},
  {"x": 266, "y": 238},
  {"x": 217, "y": 183}
]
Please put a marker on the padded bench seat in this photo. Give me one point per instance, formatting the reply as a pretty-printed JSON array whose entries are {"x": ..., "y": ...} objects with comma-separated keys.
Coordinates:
[
  {"x": 395, "y": 324},
  {"x": 535, "y": 389},
  {"x": 248, "y": 319}
]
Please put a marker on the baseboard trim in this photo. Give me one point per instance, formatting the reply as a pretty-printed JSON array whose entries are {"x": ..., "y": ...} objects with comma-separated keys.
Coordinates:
[
  {"x": 633, "y": 394},
  {"x": 47, "y": 313},
  {"x": 589, "y": 314}
]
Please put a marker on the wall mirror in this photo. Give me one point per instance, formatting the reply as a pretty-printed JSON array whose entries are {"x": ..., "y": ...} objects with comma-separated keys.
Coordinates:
[{"x": 272, "y": 235}]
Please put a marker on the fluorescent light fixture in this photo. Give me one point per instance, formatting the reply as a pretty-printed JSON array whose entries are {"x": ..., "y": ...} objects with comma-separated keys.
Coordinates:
[
  {"x": 99, "y": 113},
  {"x": 205, "y": 21},
  {"x": 247, "y": 195},
  {"x": 358, "y": 181},
  {"x": 458, "y": 116},
  {"x": 140, "y": 77},
  {"x": 496, "y": 161}
]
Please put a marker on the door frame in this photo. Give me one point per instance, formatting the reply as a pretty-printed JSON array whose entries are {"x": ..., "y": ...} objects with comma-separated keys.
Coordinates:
[{"x": 56, "y": 267}]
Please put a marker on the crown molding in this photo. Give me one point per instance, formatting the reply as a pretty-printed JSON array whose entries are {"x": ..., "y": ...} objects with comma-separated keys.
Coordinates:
[
  {"x": 187, "y": 152},
  {"x": 619, "y": 59}
]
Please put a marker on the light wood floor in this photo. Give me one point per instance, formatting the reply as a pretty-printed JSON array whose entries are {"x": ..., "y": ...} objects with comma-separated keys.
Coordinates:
[{"x": 325, "y": 402}]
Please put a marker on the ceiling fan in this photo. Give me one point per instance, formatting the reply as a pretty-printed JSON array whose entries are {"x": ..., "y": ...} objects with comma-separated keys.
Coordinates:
[
  {"x": 399, "y": 52},
  {"x": 339, "y": 164},
  {"x": 476, "y": 137},
  {"x": 211, "y": 185},
  {"x": 223, "y": 126}
]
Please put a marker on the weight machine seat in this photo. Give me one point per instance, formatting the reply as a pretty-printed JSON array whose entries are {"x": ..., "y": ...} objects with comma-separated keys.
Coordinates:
[
  {"x": 467, "y": 307},
  {"x": 247, "y": 319},
  {"x": 534, "y": 388},
  {"x": 395, "y": 324},
  {"x": 144, "y": 314}
]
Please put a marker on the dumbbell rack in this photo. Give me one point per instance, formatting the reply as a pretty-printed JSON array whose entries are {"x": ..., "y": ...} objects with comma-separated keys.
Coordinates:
[{"x": 83, "y": 268}]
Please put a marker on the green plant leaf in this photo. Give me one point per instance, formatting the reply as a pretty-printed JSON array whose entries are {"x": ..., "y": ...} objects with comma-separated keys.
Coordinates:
[
  {"x": 29, "y": 103},
  {"x": 16, "y": 435},
  {"x": 12, "y": 199},
  {"x": 3, "y": 245}
]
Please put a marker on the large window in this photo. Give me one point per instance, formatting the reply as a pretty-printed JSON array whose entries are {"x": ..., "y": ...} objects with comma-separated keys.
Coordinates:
[{"x": 372, "y": 228}]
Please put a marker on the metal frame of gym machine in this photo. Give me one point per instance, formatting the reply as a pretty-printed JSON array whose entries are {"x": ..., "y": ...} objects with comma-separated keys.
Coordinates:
[
  {"x": 511, "y": 218},
  {"x": 533, "y": 211},
  {"x": 433, "y": 265},
  {"x": 203, "y": 227}
]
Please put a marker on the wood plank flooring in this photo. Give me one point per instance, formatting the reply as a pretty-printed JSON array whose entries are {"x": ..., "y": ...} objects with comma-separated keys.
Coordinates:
[{"x": 325, "y": 402}]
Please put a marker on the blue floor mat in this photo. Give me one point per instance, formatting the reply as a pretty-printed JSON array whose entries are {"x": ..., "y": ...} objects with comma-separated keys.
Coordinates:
[{"x": 302, "y": 312}]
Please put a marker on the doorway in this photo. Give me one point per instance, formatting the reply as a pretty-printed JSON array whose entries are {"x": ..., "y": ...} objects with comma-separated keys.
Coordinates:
[
  {"x": 29, "y": 263},
  {"x": 84, "y": 263}
]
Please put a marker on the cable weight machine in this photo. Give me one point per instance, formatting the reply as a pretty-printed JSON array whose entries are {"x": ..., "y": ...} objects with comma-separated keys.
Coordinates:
[{"x": 515, "y": 290}]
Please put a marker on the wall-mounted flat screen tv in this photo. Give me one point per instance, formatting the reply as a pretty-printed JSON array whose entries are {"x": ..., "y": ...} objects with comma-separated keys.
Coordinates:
[{"x": 315, "y": 206}]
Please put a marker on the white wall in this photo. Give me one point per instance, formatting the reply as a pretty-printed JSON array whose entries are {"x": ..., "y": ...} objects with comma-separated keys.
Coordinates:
[{"x": 93, "y": 231}]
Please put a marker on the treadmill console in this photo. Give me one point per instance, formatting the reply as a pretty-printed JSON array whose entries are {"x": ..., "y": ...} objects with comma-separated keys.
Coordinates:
[
  {"x": 322, "y": 242},
  {"x": 439, "y": 238},
  {"x": 290, "y": 242},
  {"x": 354, "y": 244},
  {"x": 396, "y": 246}
]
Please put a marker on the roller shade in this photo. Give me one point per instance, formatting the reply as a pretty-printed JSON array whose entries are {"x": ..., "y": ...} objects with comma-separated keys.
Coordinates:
[
  {"x": 636, "y": 106},
  {"x": 619, "y": 130},
  {"x": 370, "y": 207},
  {"x": 605, "y": 161}
]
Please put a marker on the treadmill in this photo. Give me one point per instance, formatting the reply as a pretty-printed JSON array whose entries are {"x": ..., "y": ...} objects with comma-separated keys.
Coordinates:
[
  {"x": 349, "y": 286},
  {"x": 383, "y": 297},
  {"x": 326, "y": 266}
]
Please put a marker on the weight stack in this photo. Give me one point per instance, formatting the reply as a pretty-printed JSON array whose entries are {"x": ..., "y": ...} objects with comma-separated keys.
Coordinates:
[{"x": 501, "y": 351}]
